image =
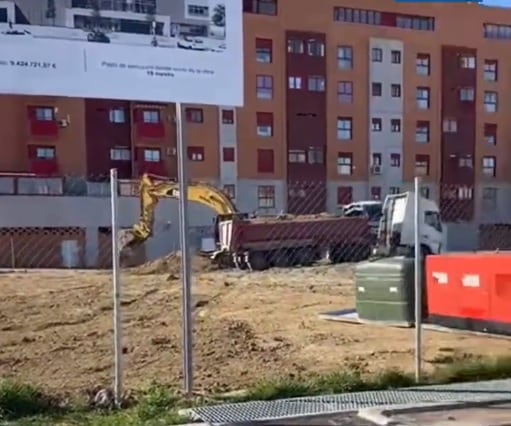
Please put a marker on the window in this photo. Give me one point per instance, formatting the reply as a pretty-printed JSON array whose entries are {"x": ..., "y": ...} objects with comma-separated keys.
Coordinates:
[
  {"x": 376, "y": 125},
  {"x": 266, "y": 197},
  {"x": 432, "y": 219},
  {"x": 151, "y": 116},
  {"x": 422, "y": 97},
  {"x": 45, "y": 153},
  {"x": 422, "y": 64},
  {"x": 315, "y": 156},
  {"x": 376, "y": 54},
  {"x": 490, "y": 133},
  {"x": 315, "y": 48},
  {"x": 316, "y": 84},
  {"x": 345, "y": 57},
  {"x": 294, "y": 83},
  {"x": 376, "y": 89},
  {"x": 422, "y": 165},
  {"x": 152, "y": 155},
  {"x": 230, "y": 191},
  {"x": 490, "y": 166},
  {"x": 117, "y": 115},
  {"x": 228, "y": 155},
  {"x": 375, "y": 192},
  {"x": 490, "y": 69},
  {"x": 120, "y": 154},
  {"x": 344, "y": 195},
  {"x": 395, "y": 125},
  {"x": 344, "y": 128},
  {"x": 264, "y": 50},
  {"x": 450, "y": 125},
  {"x": 296, "y": 156},
  {"x": 44, "y": 114},
  {"x": 497, "y": 31},
  {"x": 265, "y": 161},
  {"x": 264, "y": 87},
  {"x": 467, "y": 94},
  {"x": 195, "y": 153},
  {"x": 344, "y": 163},
  {"x": 264, "y": 124},
  {"x": 199, "y": 11},
  {"x": 261, "y": 7},
  {"x": 295, "y": 46},
  {"x": 395, "y": 90},
  {"x": 490, "y": 101},
  {"x": 395, "y": 56},
  {"x": 422, "y": 131},
  {"x": 194, "y": 115},
  {"x": 465, "y": 162},
  {"x": 395, "y": 160},
  {"x": 386, "y": 19},
  {"x": 345, "y": 92},
  {"x": 376, "y": 159},
  {"x": 468, "y": 61},
  {"x": 394, "y": 190},
  {"x": 227, "y": 116}
]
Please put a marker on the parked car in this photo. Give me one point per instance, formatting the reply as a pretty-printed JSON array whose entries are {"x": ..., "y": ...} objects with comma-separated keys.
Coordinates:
[{"x": 96, "y": 36}]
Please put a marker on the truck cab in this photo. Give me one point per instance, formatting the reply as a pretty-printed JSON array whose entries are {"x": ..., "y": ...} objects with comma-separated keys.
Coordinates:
[{"x": 396, "y": 230}]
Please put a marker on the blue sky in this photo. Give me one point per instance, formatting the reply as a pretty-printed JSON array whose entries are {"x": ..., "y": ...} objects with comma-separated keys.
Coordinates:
[{"x": 502, "y": 3}]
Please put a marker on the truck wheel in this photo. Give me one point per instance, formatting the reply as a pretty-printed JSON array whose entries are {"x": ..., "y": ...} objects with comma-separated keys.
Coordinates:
[{"x": 257, "y": 261}]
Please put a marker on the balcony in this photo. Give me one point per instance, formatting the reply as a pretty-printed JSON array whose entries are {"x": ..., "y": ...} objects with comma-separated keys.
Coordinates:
[
  {"x": 148, "y": 123},
  {"x": 152, "y": 167},
  {"x": 135, "y": 6}
]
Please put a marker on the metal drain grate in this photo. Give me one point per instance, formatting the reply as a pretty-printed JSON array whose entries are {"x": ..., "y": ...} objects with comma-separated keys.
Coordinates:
[{"x": 498, "y": 390}]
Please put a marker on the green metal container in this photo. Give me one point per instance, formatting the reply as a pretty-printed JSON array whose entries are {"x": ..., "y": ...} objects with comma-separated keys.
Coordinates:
[{"x": 385, "y": 291}]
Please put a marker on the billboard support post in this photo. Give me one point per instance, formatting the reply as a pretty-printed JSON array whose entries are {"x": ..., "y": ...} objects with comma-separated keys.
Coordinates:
[{"x": 187, "y": 327}]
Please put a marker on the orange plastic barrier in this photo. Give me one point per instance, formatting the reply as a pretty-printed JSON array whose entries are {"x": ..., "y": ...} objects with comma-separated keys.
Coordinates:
[{"x": 470, "y": 291}]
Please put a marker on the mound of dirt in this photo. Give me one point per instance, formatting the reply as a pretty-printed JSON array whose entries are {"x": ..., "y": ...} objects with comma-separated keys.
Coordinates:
[{"x": 171, "y": 264}]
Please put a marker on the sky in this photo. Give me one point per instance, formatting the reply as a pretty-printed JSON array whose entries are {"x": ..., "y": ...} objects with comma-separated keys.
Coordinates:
[{"x": 501, "y": 3}]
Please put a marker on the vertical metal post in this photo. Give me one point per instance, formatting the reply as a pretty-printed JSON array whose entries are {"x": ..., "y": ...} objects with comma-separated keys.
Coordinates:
[
  {"x": 418, "y": 284},
  {"x": 187, "y": 327},
  {"x": 118, "y": 376}
]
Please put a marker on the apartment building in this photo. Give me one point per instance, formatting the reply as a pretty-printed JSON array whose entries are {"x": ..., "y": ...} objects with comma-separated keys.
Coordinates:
[{"x": 347, "y": 104}]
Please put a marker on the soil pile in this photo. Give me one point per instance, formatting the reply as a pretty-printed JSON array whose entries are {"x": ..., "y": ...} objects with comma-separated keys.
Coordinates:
[{"x": 171, "y": 264}]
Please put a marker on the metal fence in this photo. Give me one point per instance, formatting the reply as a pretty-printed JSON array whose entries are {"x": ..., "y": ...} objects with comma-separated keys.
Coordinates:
[{"x": 71, "y": 222}]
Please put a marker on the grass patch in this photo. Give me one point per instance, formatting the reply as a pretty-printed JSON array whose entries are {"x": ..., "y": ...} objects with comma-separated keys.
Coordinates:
[{"x": 25, "y": 405}]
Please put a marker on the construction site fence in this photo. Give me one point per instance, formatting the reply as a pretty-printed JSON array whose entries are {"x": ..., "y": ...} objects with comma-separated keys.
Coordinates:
[{"x": 68, "y": 224}]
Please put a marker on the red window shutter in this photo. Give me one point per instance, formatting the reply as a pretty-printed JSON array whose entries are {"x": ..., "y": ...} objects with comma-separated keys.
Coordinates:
[
  {"x": 344, "y": 194},
  {"x": 265, "y": 161},
  {"x": 228, "y": 154},
  {"x": 264, "y": 43},
  {"x": 376, "y": 192},
  {"x": 264, "y": 119}
]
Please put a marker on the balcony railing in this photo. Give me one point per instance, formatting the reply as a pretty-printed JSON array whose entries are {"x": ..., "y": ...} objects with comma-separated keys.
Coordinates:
[{"x": 135, "y": 6}]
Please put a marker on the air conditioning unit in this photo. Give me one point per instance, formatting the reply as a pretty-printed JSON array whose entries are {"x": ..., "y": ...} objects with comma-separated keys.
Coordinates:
[{"x": 376, "y": 169}]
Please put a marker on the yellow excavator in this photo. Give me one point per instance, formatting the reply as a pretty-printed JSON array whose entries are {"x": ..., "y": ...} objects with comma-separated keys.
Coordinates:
[{"x": 152, "y": 188}]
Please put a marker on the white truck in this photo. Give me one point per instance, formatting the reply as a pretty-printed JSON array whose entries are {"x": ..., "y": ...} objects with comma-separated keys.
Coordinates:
[{"x": 395, "y": 233}]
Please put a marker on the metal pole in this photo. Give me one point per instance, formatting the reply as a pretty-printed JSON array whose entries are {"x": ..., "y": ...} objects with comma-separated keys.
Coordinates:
[
  {"x": 116, "y": 290},
  {"x": 187, "y": 327},
  {"x": 418, "y": 285}
]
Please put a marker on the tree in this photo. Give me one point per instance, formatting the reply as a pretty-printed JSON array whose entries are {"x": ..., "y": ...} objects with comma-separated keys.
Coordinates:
[
  {"x": 218, "y": 17},
  {"x": 51, "y": 11}
]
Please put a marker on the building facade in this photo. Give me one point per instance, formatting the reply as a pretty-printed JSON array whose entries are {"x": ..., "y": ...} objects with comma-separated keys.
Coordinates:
[{"x": 348, "y": 104}]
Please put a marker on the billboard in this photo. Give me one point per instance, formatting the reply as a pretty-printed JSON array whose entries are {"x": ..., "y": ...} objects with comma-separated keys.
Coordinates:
[{"x": 188, "y": 51}]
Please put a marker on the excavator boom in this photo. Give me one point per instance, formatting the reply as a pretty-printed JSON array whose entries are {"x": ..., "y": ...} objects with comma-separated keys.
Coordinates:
[{"x": 152, "y": 189}]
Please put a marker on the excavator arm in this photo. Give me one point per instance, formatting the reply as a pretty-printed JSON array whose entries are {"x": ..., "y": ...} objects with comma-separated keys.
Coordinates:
[{"x": 152, "y": 189}]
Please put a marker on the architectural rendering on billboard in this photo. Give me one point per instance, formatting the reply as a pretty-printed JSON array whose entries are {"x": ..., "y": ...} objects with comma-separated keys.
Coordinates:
[{"x": 188, "y": 51}]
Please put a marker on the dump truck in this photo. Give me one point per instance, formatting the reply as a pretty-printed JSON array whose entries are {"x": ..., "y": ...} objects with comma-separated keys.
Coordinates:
[{"x": 256, "y": 243}]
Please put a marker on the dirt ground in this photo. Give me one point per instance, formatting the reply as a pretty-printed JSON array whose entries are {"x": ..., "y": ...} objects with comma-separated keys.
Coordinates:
[{"x": 56, "y": 328}]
